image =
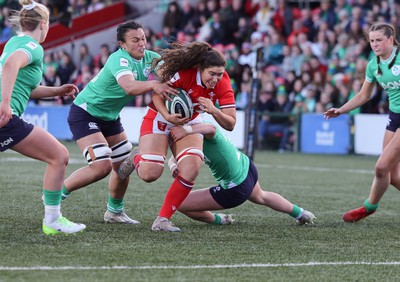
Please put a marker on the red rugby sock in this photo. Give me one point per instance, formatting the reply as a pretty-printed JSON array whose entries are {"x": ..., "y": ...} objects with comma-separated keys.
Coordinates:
[{"x": 176, "y": 194}]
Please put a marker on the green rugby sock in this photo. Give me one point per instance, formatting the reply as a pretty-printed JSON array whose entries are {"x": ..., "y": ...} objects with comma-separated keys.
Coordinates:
[
  {"x": 65, "y": 193},
  {"x": 296, "y": 212},
  {"x": 115, "y": 205},
  {"x": 52, "y": 198},
  {"x": 217, "y": 219},
  {"x": 370, "y": 207}
]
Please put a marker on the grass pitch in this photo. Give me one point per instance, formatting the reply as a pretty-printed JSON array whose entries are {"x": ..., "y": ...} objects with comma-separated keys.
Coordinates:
[{"x": 262, "y": 245}]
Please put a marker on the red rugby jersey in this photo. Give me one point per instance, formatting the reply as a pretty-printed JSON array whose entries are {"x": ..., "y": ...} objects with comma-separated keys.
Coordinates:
[{"x": 190, "y": 81}]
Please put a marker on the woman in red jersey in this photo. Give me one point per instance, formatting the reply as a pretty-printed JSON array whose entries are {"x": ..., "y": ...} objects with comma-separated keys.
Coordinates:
[{"x": 198, "y": 69}]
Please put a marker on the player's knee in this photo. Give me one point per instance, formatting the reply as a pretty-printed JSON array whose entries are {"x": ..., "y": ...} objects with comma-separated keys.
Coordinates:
[
  {"x": 381, "y": 170},
  {"x": 150, "y": 167},
  {"x": 121, "y": 151},
  {"x": 101, "y": 169},
  {"x": 97, "y": 152},
  {"x": 60, "y": 156},
  {"x": 189, "y": 163}
]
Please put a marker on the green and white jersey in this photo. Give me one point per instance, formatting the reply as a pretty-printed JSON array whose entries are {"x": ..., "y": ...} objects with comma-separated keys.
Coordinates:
[
  {"x": 389, "y": 80},
  {"x": 103, "y": 97},
  {"x": 228, "y": 165},
  {"x": 30, "y": 76}
]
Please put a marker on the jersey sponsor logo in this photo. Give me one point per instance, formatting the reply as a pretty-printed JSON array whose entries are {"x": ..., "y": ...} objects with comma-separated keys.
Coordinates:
[
  {"x": 211, "y": 94},
  {"x": 146, "y": 71},
  {"x": 135, "y": 74},
  {"x": 391, "y": 85},
  {"x": 123, "y": 62},
  {"x": 396, "y": 70},
  {"x": 6, "y": 142},
  {"x": 92, "y": 125},
  {"x": 161, "y": 125},
  {"x": 32, "y": 45}
]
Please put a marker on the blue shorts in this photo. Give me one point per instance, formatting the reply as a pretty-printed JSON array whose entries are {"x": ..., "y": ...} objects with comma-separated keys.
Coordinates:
[
  {"x": 82, "y": 124},
  {"x": 14, "y": 132},
  {"x": 393, "y": 121},
  {"x": 235, "y": 196}
]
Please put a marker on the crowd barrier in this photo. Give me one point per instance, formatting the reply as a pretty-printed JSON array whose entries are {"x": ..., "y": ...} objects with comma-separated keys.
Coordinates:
[
  {"x": 315, "y": 134},
  {"x": 54, "y": 120}
]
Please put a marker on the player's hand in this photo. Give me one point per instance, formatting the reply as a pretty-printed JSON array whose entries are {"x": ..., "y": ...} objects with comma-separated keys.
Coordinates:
[
  {"x": 5, "y": 113},
  {"x": 332, "y": 113},
  {"x": 177, "y": 133},
  {"x": 176, "y": 119},
  {"x": 68, "y": 90},
  {"x": 165, "y": 90},
  {"x": 207, "y": 105}
]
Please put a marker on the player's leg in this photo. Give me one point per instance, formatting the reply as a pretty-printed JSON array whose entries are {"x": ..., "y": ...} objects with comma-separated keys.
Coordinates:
[
  {"x": 279, "y": 203},
  {"x": 274, "y": 200},
  {"x": 150, "y": 157},
  {"x": 198, "y": 206},
  {"x": 41, "y": 145},
  {"x": 386, "y": 164},
  {"x": 189, "y": 156},
  {"x": 88, "y": 135},
  {"x": 97, "y": 153},
  {"x": 121, "y": 148}
]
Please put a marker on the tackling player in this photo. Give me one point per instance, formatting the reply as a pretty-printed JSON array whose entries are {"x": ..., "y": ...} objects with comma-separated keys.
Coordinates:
[
  {"x": 94, "y": 116},
  {"x": 237, "y": 179}
]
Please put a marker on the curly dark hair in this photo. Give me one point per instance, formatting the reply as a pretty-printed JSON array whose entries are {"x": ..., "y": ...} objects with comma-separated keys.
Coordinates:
[{"x": 183, "y": 57}]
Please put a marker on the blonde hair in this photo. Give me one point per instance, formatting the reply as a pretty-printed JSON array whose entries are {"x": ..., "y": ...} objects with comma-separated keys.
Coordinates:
[{"x": 28, "y": 19}]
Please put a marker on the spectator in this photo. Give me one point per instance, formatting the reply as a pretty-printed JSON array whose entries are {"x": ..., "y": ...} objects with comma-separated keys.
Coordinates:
[
  {"x": 172, "y": 18},
  {"x": 66, "y": 67},
  {"x": 101, "y": 58}
]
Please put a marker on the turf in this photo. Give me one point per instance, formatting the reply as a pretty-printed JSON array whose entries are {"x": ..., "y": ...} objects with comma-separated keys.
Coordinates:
[{"x": 262, "y": 245}]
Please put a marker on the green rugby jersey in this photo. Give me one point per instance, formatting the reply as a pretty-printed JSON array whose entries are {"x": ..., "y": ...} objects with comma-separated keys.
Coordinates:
[
  {"x": 228, "y": 165},
  {"x": 103, "y": 97},
  {"x": 389, "y": 79},
  {"x": 30, "y": 76}
]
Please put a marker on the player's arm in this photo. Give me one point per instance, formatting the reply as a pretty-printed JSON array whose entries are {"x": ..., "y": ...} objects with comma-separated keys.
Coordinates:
[
  {"x": 134, "y": 87},
  {"x": 175, "y": 119},
  {"x": 49, "y": 91},
  {"x": 358, "y": 100},
  {"x": 9, "y": 72},
  {"x": 226, "y": 118},
  {"x": 206, "y": 129}
]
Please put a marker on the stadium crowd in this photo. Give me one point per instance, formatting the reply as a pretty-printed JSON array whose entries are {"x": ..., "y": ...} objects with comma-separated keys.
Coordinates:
[{"x": 309, "y": 58}]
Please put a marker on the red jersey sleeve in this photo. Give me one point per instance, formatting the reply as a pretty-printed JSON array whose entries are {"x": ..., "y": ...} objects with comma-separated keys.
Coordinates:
[{"x": 225, "y": 95}]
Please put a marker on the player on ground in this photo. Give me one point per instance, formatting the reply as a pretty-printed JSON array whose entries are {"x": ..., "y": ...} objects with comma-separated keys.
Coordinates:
[
  {"x": 94, "y": 116},
  {"x": 385, "y": 70},
  {"x": 237, "y": 179},
  {"x": 200, "y": 71},
  {"x": 21, "y": 67}
]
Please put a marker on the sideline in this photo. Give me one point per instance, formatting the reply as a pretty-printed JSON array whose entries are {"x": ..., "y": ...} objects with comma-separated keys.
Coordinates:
[{"x": 216, "y": 266}]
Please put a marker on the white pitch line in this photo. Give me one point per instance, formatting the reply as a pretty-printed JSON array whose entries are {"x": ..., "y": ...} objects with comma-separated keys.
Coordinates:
[
  {"x": 217, "y": 266},
  {"x": 286, "y": 167},
  {"x": 320, "y": 169}
]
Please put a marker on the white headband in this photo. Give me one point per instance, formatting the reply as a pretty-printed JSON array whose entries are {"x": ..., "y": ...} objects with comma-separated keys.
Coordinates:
[{"x": 30, "y": 6}]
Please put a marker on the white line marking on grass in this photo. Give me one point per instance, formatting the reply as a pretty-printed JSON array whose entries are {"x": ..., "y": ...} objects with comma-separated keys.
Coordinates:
[
  {"x": 307, "y": 168},
  {"x": 216, "y": 266},
  {"x": 320, "y": 169},
  {"x": 18, "y": 159}
]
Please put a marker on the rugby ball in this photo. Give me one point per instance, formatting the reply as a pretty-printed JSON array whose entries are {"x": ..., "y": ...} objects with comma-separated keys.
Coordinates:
[{"x": 180, "y": 104}]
